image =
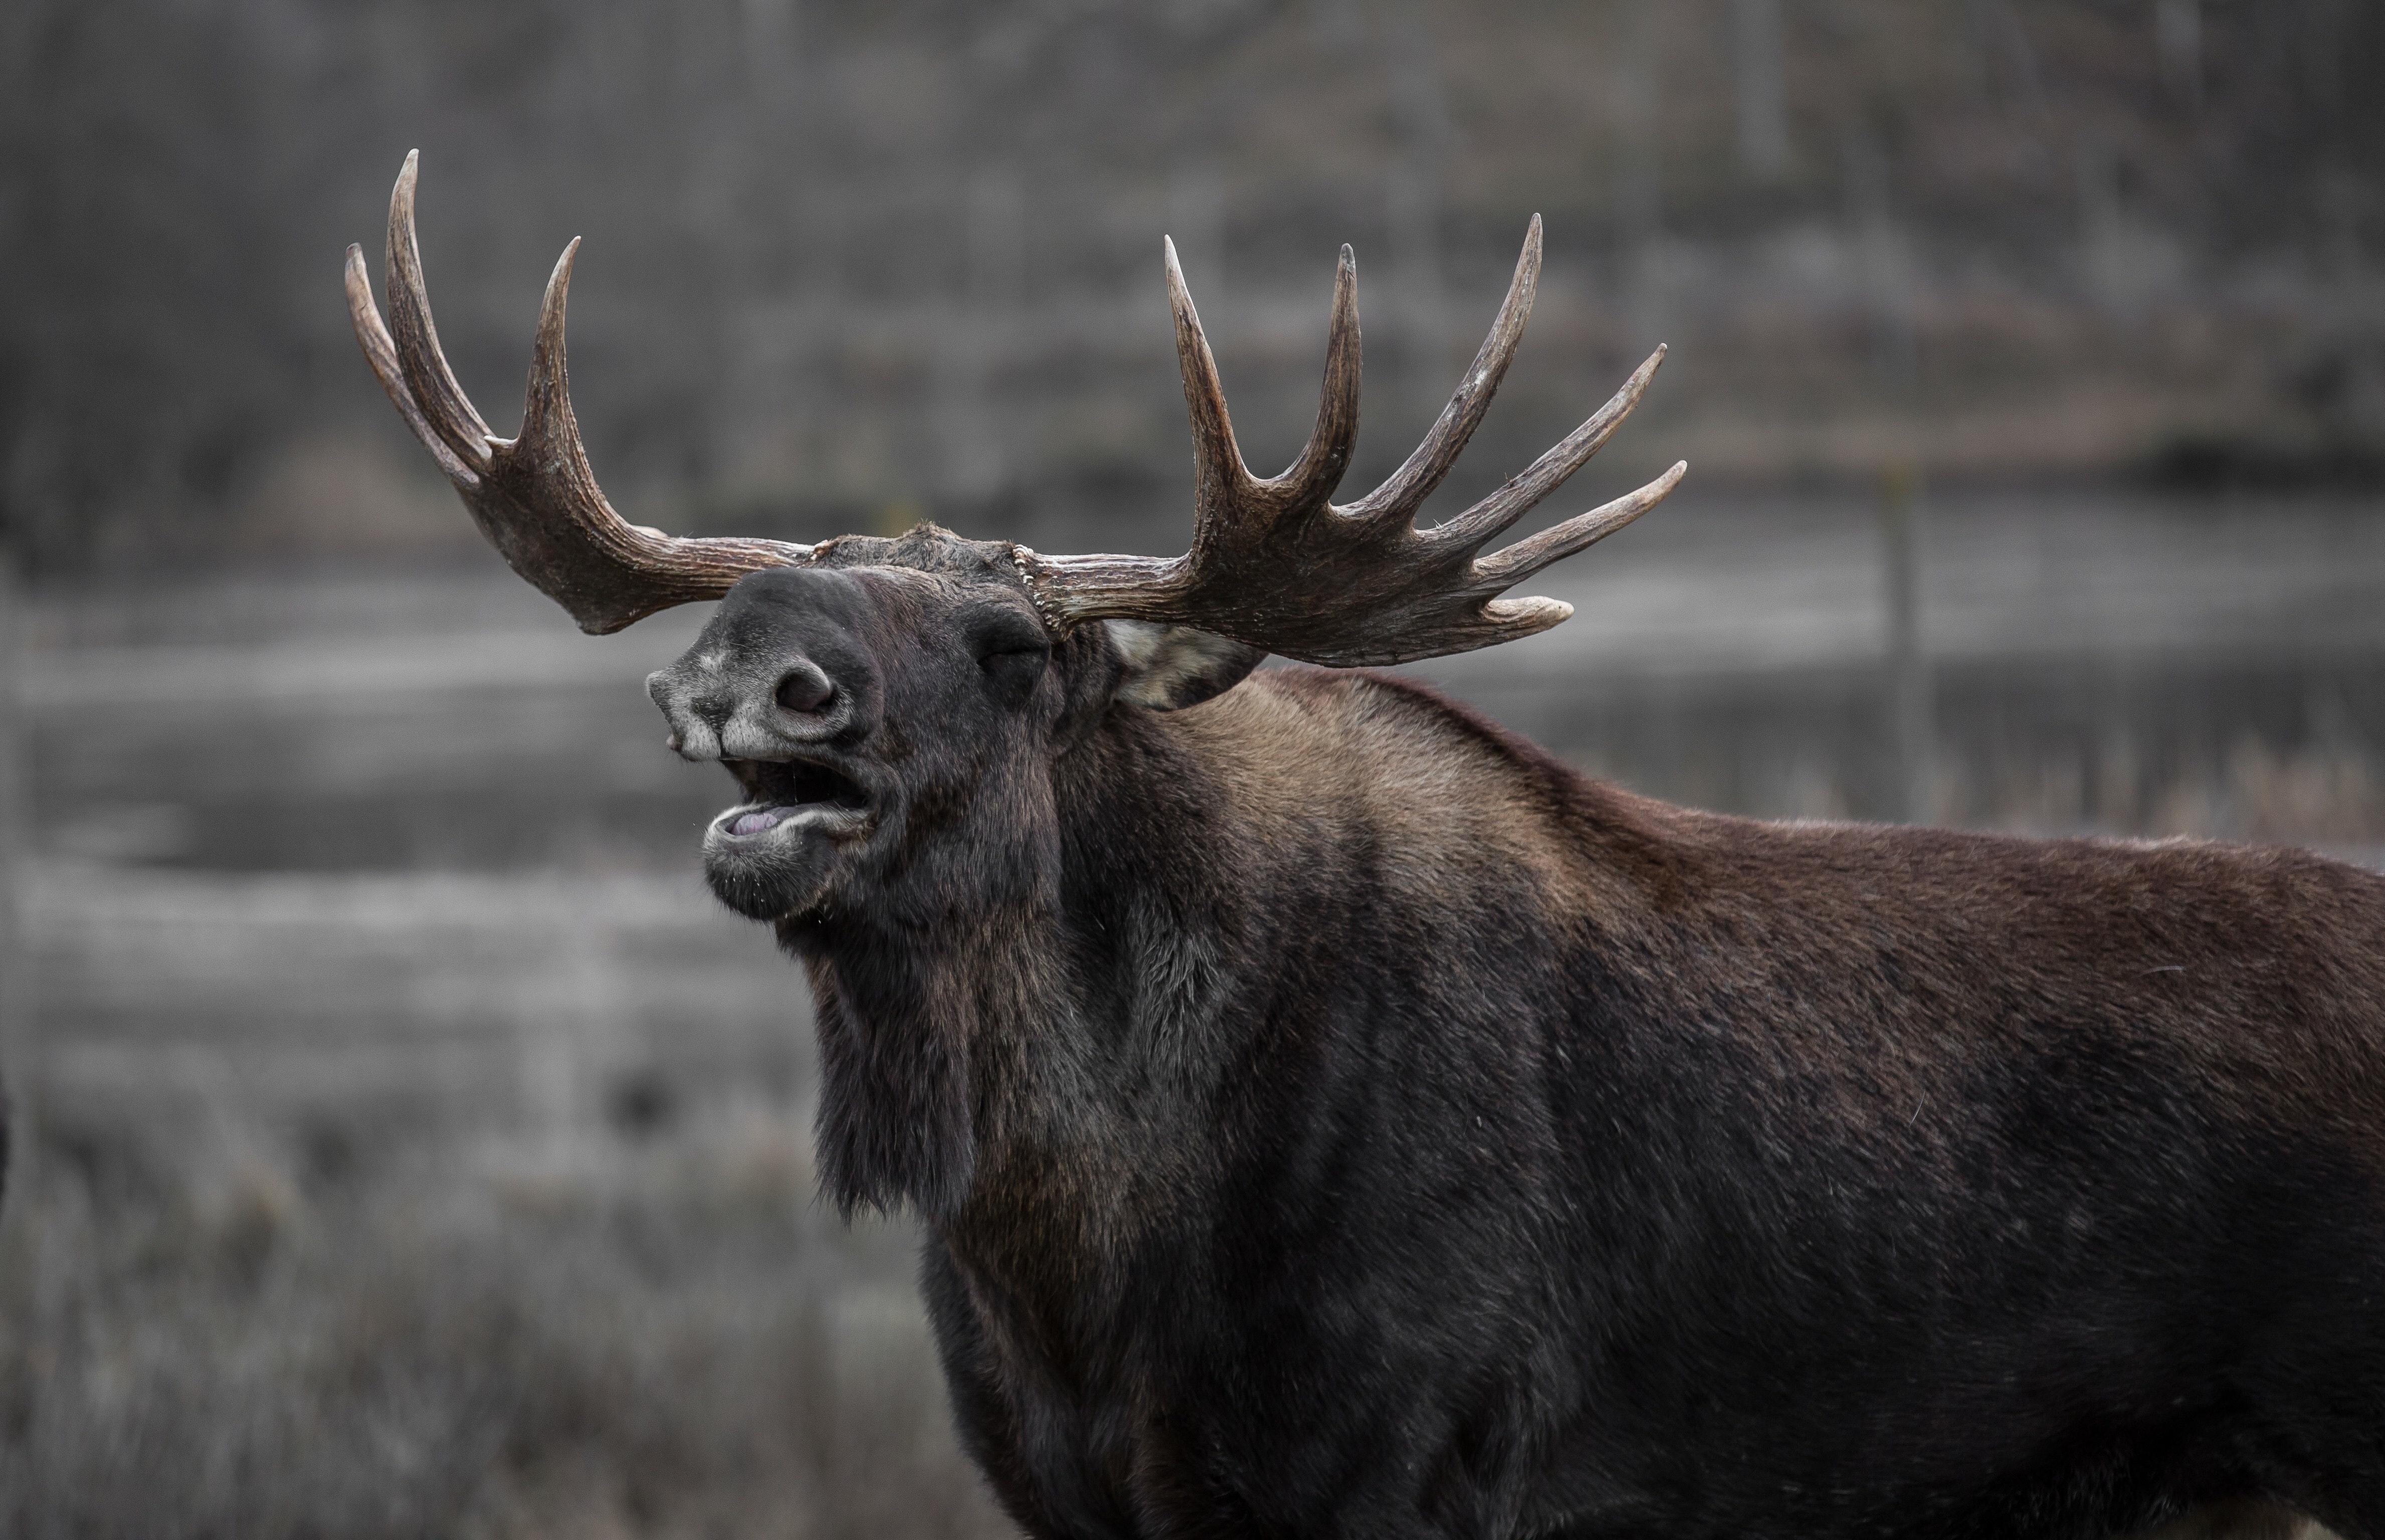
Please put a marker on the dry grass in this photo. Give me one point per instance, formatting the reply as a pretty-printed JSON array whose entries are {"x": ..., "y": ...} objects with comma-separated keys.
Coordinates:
[
  {"x": 667, "y": 1343},
  {"x": 2326, "y": 796},
  {"x": 2322, "y": 796}
]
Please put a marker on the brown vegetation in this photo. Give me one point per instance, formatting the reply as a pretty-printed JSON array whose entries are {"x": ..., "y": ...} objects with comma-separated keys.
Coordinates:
[{"x": 675, "y": 1343}]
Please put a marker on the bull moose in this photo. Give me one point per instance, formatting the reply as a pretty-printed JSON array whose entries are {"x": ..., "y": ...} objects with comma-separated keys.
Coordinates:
[{"x": 1330, "y": 1114}]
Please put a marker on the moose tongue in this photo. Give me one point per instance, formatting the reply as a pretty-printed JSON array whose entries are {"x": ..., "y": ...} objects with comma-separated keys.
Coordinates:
[{"x": 754, "y": 823}]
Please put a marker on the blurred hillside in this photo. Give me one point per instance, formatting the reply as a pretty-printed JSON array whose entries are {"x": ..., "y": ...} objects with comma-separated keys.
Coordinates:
[{"x": 849, "y": 264}]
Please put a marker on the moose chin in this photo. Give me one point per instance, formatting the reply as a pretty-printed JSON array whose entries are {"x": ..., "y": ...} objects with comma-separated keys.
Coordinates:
[{"x": 1330, "y": 1114}]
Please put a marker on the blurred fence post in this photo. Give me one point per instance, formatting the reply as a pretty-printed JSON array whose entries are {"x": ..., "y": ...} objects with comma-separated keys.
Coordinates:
[
  {"x": 1912, "y": 711},
  {"x": 20, "y": 1057}
]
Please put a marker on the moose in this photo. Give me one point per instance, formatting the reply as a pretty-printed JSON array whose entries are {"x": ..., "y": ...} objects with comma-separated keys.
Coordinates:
[{"x": 1330, "y": 1114}]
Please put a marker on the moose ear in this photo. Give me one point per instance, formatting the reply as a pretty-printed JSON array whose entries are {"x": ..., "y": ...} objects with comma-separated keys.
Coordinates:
[{"x": 1169, "y": 668}]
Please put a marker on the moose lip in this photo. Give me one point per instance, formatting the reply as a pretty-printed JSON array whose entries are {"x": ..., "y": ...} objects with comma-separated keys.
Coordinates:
[{"x": 783, "y": 793}]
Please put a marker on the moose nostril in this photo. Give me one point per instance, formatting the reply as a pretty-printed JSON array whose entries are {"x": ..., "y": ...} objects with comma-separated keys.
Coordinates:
[{"x": 804, "y": 690}]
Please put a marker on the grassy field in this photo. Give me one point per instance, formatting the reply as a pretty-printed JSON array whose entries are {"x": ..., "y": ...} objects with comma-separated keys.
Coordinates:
[
  {"x": 677, "y": 1344},
  {"x": 404, "y": 1204}
]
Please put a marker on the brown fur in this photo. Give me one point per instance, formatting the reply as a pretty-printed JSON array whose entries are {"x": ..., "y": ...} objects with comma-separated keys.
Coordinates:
[{"x": 1332, "y": 1112}]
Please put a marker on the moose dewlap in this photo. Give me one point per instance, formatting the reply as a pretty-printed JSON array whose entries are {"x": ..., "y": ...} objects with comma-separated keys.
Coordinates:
[{"x": 1330, "y": 1114}]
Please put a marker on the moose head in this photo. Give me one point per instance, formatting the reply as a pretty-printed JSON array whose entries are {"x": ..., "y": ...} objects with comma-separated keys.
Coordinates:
[{"x": 867, "y": 693}]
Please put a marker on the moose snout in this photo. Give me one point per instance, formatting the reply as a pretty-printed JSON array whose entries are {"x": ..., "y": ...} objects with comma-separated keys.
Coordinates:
[
  {"x": 782, "y": 668},
  {"x": 725, "y": 707}
]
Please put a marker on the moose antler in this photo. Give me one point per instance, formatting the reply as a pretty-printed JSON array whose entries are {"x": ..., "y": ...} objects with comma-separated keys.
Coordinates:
[
  {"x": 533, "y": 495},
  {"x": 1276, "y": 565}
]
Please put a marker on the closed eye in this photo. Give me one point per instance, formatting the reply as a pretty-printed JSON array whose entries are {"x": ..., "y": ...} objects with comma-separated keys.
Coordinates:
[{"x": 1006, "y": 639}]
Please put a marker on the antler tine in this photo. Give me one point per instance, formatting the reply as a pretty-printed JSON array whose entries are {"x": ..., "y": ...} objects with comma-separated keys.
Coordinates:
[
  {"x": 1504, "y": 619},
  {"x": 1223, "y": 486},
  {"x": 1513, "y": 564},
  {"x": 534, "y": 496},
  {"x": 550, "y": 430},
  {"x": 440, "y": 400},
  {"x": 1487, "y": 517},
  {"x": 1398, "y": 498},
  {"x": 1312, "y": 479},
  {"x": 381, "y": 352},
  {"x": 1227, "y": 495}
]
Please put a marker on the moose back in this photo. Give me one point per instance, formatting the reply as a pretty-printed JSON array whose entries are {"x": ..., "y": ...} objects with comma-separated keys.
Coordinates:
[{"x": 1330, "y": 1114}]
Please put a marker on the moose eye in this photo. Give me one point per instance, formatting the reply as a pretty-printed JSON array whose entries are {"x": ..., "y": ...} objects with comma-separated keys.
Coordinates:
[
  {"x": 1011, "y": 650},
  {"x": 1006, "y": 634}
]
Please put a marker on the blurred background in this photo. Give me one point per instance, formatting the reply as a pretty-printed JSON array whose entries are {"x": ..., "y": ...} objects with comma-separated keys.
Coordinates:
[{"x": 408, "y": 1146}]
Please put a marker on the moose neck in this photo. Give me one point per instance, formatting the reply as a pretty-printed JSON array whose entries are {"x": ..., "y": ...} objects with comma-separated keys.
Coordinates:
[
  {"x": 1023, "y": 1053},
  {"x": 1006, "y": 1049},
  {"x": 918, "y": 989}
]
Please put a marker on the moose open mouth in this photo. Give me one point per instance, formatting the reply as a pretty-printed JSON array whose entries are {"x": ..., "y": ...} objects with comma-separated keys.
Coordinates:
[
  {"x": 782, "y": 792},
  {"x": 775, "y": 854}
]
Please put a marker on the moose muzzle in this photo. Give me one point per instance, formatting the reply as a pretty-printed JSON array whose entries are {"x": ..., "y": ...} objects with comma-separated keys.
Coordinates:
[
  {"x": 721, "y": 707},
  {"x": 780, "y": 690},
  {"x": 777, "y": 675}
]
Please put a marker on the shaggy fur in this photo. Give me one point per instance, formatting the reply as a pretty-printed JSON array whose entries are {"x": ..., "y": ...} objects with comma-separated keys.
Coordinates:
[{"x": 1333, "y": 1115}]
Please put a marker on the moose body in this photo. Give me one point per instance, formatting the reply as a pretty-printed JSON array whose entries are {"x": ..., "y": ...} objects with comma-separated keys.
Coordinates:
[
  {"x": 1421, "y": 1139},
  {"x": 1331, "y": 1115},
  {"x": 1358, "y": 1123}
]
